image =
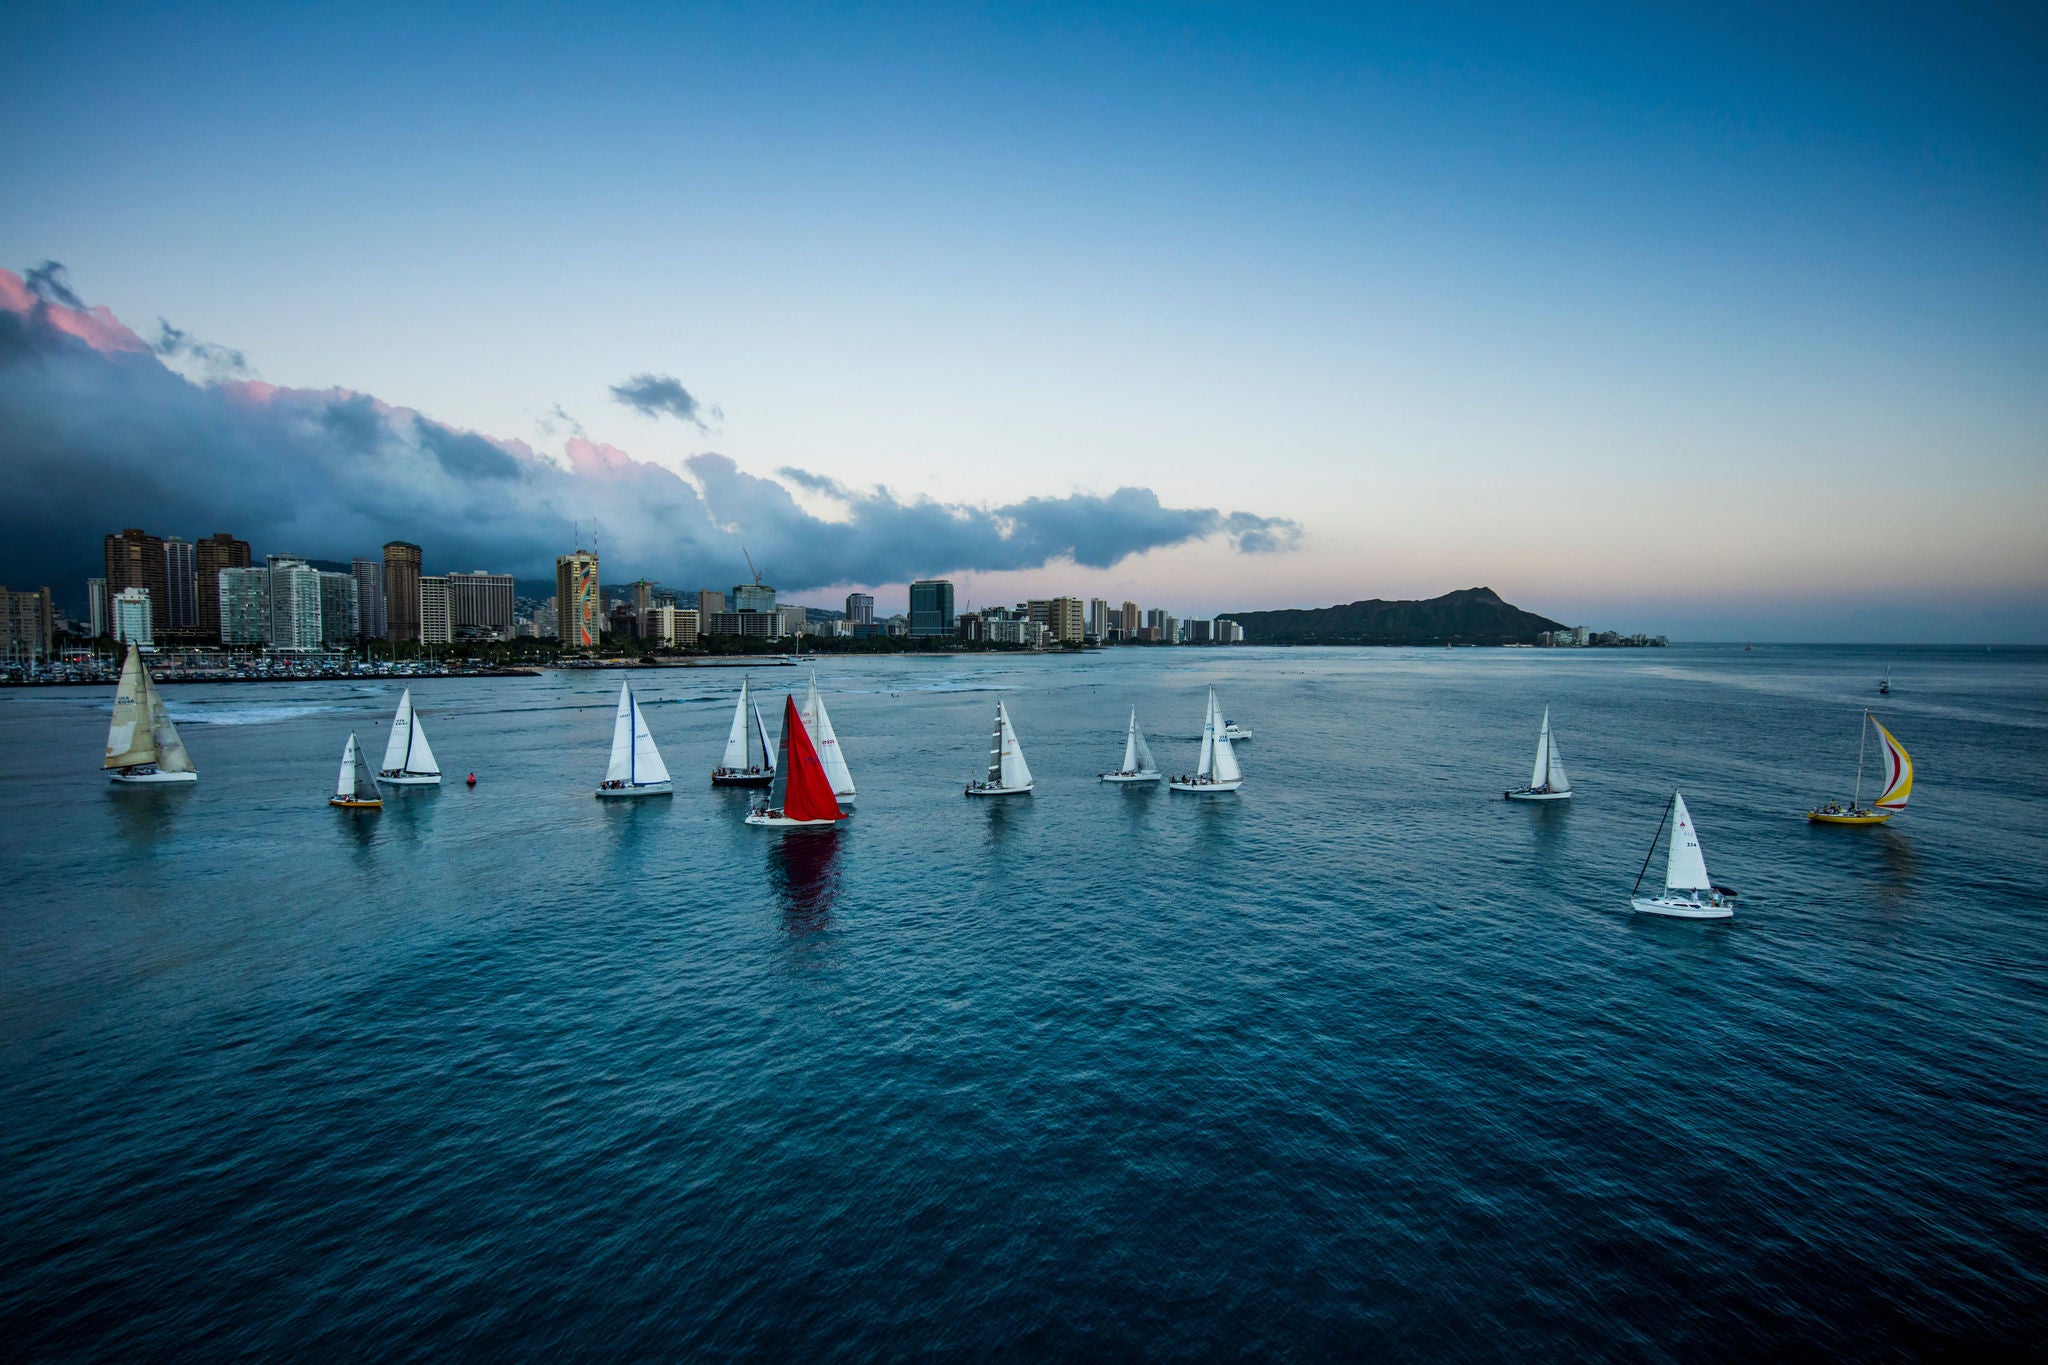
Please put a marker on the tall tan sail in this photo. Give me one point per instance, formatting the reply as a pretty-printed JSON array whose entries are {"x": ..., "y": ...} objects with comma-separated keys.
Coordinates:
[{"x": 131, "y": 735}]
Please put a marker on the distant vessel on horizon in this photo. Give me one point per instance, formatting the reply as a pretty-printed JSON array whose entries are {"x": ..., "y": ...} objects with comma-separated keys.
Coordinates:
[{"x": 142, "y": 743}]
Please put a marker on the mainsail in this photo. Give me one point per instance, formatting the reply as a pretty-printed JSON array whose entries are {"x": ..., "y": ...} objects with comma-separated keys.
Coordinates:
[
  {"x": 1206, "y": 767},
  {"x": 1541, "y": 773},
  {"x": 1223, "y": 766},
  {"x": 736, "y": 739},
  {"x": 1006, "y": 766},
  {"x": 1130, "y": 764},
  {"x": 1686, "y": 868},
  {"x": 1898, "y": 768},
  {"x": 620, "y": 768}
]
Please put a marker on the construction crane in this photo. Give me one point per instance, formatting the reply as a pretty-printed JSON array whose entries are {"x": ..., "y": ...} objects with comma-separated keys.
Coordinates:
[{"x": 750, "y": 566}]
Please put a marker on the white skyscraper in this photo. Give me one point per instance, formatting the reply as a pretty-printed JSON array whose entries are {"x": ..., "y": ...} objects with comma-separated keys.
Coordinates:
[{"x": 134, "y": 621}]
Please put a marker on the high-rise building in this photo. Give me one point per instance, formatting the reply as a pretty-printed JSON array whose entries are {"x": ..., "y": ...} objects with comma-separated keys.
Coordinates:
[
  {"x": 860, "y": 609},
  {"x": 96, "y": 606},
  {"x": 135, "y": 559},
  {"x": 1228, "y": 632},
  {"x": 1129, "y": 620},
  {"x": 369, "y": 576},
  {"x": 181, "y": 607},
  {"x": 752, "y": 597},
  {"x": 28, "y": 626},
  {"x": 480, "y": 605},
  {"x": 135, "y": 618},
  {"x": 579, "y": 618},
  {"x": 244, "y": 597},
  {"x": 688, "y": 625},
  {"x": 401, "y": 590},
  {"x": 931, "y": 608},
  {"x": 1066, "y": 622},
  {"x": 1200, "y": 632},
  {"x": 436, "y": 625},
  {"x": 792, "y": 621},
  {"x": 341, "y": 622},
  {"x": 216, "y": 552},
  {"x": 1098, "y": 618},
  {"x": 641, "y": 594},
  {"x": 708, "y": 601},
  {"x": 294, "y": 604}
]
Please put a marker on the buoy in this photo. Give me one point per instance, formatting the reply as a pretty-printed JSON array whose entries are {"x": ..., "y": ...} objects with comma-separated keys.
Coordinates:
[{"x": 472, "y": 779}]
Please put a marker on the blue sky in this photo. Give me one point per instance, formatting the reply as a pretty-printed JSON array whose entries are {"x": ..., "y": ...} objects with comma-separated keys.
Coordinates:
[{"x": 1727, "y": 321}]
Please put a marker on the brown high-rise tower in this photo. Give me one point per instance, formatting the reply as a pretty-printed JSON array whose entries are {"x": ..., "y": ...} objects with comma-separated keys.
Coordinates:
[
  {"x": 135, "y": 559},
  {"x": 209, "y": 556},
  {"x": 402, "y": 591}
]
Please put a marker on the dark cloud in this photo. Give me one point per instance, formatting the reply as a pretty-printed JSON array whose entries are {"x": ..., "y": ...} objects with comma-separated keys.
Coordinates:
[
  {"x": 215, "y": 362},
  {"x": 96, "y": 435},
  {"x": 49, "y": 283},
  {"x": 657, "y": 395}
]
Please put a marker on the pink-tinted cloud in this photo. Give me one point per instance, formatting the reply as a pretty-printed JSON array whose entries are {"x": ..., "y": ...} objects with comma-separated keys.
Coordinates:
[{"x": 96, "y": 326}]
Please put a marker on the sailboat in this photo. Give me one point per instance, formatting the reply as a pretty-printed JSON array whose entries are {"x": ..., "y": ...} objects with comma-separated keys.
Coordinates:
[
  {"x": 1884, "y": 684},
  {"x": 1688, "y": 893},
  {"x": 818, "y": 724},
  {"x": 142, "y": 744},
  {"x": 408, "y": 758},
  {"x": 1217, "y": 771},
  {"x": 803, "y": 794},
  {"x": 1008, "y": 773},
  {"x": 1137, "y": 765},
  {"x": 636, "y": 768},
  {"x": 1898, "y": 783},
  {"x": 1547, "y": 781},
  {"x": 738, "y": 768},
  {"x": 355, "y": 789}
]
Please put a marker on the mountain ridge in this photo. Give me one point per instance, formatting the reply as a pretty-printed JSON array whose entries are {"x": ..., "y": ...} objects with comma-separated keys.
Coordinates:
[{"x": 1469, "y": 616}]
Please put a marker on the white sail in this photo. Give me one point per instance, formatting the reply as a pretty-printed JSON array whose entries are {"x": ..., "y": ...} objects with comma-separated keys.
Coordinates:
[
  {"x": 1130, "y": 763},
  {"x": 401, "y": 735},
  {"x": 767, "y": 753},
  {"x": 131, "y": 739},
  {"x": 1010, "y": 768},
  {"x": 736, "y": 740},
  {"x": 1223, "y": 767},
  {"x": 170, "y": 750},
  {"x": 1555, "y": 774},
  {"x": 620, "y": 768},
  {"x": 1541, "y": 773},
  {"x": 1210, "y": 726},
  {"x": 1686, "y": 870},
  {"x": 345, "y": 784},
  {"x": 826, "y": 740},
  {"x": 419, "y": 758},
  {"x": 648, "y": 769},
  {"x": 1146, "y": 763}
]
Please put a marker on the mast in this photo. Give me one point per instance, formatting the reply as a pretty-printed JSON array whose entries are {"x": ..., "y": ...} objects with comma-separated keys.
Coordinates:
[
  {"x": 1653, "y": 850},
  {"x": 995, "y": 750}
]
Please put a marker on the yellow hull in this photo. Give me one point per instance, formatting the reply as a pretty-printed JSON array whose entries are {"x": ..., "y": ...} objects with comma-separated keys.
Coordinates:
[
  {"x": 1873, "y": 818},
  {"x": 354, "y": 805}
]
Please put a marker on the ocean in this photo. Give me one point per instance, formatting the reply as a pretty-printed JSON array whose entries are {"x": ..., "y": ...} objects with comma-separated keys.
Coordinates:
[{"x": 1361, "y": 1061}]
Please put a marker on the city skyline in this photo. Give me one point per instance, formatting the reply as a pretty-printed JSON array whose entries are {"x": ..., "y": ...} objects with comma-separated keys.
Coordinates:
[{"x": 1254, "y": 310}]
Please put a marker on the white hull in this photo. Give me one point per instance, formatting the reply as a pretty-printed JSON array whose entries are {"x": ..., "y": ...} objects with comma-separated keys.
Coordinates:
[
  {"x": 983, "y": 789},
  {"x": 1529, "y": 794},
  {"x": 1681, "y": 908},
  {"x": 773, "y": 821},
  {"x": 1133, "y": 777},
  {"x": 409, "y": 780},
  {"x": 645, "y": 789},
  {"x": 155, "y": 777},
  {"x": 1199, "y": 786},
  {"x": 1235, "y": 735}
]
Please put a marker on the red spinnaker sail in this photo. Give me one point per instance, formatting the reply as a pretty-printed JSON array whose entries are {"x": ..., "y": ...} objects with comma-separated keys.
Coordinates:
[{"x": 809, "y": 793}]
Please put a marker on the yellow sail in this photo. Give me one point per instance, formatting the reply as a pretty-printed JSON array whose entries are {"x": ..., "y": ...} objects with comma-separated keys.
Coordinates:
[
  {"x": 1899, "y": 769},
  {"x": 131, "y": 735}
]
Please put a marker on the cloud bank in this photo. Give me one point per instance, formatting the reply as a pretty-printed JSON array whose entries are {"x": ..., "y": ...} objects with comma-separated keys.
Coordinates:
[{"x": 97, "y": 432}]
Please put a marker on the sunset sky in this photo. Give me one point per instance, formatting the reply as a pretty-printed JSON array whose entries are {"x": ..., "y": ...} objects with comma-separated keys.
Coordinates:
[{"x": 1727, "y": 322}]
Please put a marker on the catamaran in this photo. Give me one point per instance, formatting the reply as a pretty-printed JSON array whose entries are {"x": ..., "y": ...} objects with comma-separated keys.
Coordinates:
[
  {"x": 1688, "y": 892},
  {"x": 1547, "y": 782},
  {"x": 1008, "y": 773},
  {"x": 802, "y": 796},
  {"x": 1217, "y": 770},
  {"x": 408, "y": 758},
  {"x": 355, "y": 789},
  {"x": 636, "y": 768},
  {"x": 142, "y": 744},
  {"x": 1898, "y": 783},
  {"x": 738, "y": 768},
  {"x": 1137, "y": 765},
  {"x": 818, "y": 724}
]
